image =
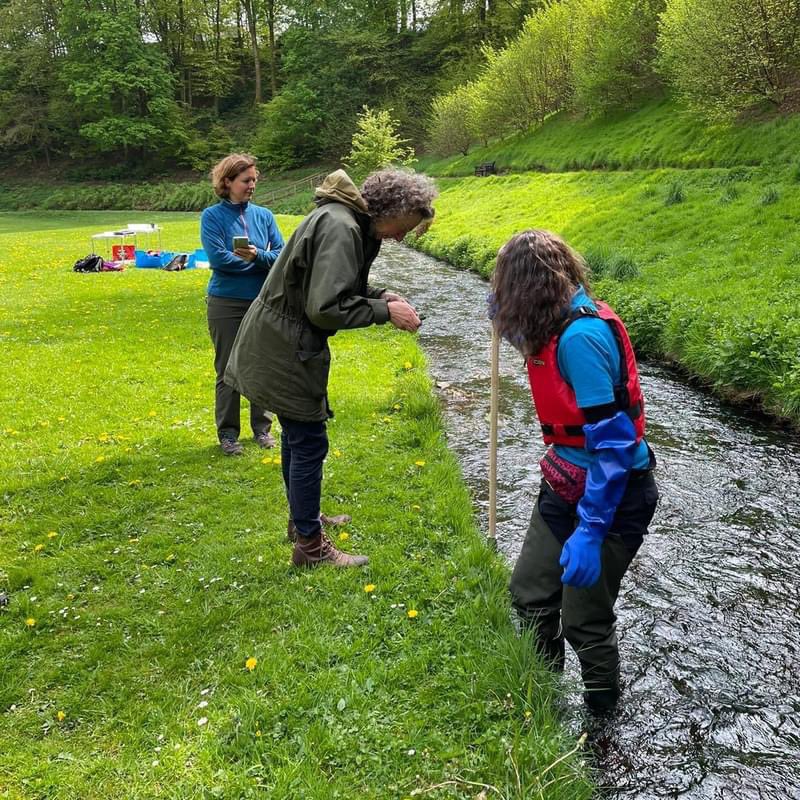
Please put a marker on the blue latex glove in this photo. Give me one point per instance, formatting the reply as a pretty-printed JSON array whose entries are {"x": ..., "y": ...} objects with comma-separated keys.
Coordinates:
[{"x": 612, "y": 443}]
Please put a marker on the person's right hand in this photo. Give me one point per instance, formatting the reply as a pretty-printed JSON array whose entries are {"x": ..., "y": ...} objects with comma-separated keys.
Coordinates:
[{"x": 403, "y": 316}]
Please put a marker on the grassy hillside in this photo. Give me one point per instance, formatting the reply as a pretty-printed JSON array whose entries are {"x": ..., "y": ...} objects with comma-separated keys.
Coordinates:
[
  {"x": 704, "y": 265},
  {"x": 157, "y": 642},
  {"x": 660, "y": 134}
]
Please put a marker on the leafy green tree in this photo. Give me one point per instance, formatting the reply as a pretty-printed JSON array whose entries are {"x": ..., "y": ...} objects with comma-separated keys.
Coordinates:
[
  {"x": 531, "y": 77},
  {"x": 614, "y": 53},
  {"x": 289, "y": 133},
  {"x": 455, "y": 118},
  {"x": 35, "y": 121},
  {"x": 121, "y": 84},
  {"x": 376, "y": 144},
  {"x": 724, "y": 57}
]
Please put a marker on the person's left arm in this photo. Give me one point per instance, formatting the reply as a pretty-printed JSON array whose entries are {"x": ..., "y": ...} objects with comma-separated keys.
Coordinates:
[
  {"x": 611, "y": 443},
  {"x": 336, "y": 260},
  {"x": 269, "y": 255}
]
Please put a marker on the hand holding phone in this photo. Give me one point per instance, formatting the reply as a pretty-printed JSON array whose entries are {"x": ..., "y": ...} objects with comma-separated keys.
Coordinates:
[{"x": 241, "y": 242}]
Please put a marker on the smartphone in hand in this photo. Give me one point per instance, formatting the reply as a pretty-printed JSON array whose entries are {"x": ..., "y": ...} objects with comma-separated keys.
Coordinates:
[{"x": 240, "y": 242}]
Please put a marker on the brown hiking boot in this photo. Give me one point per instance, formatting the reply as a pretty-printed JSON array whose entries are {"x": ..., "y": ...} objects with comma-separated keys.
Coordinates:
[
  {"x": 308, "y": 552},
  {"x": 340, "y": 519}
]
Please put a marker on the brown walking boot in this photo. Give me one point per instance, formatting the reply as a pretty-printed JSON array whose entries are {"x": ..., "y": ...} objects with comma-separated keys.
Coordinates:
[{"x": 310, "y": 551}]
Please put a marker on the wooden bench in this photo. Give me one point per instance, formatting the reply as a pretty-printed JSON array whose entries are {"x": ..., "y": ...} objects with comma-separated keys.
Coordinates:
[{"x": 488, "y": 168}]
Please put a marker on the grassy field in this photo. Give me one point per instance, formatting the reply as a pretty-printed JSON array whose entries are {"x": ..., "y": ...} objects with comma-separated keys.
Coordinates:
[
  {"x": 157, "y": 642},
  {"x": 660, "y": 134}
]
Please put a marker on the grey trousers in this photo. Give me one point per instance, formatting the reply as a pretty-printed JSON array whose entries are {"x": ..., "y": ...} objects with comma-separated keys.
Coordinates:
[
  {"x": 225, "y": 314},
  {"x": 584, "y": 617}
]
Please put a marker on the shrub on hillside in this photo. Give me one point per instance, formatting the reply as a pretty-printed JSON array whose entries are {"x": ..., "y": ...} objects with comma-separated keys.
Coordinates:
[
  {"x": 376, "y": 144},
  {"x": 727, "y": 56},
  {"x": 771, "y": 195},
  {"x": 454, "y": 120},
  {"x": 675, "y": 194},
  {"x": 614, "y": 52}
]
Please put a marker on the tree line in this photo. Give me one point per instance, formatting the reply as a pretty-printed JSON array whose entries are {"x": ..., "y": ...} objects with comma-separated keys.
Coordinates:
[
  {"x": 123, "y": 87},
  {"x": 721, "y": 58},
  {"x": 121, "y": 83}
]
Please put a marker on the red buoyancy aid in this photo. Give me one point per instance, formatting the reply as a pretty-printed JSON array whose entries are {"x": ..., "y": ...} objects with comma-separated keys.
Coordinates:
[{"x": 556, "y": 406}]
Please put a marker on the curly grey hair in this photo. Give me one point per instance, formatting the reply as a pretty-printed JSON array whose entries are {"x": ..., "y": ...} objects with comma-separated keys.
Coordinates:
[{"x": 397, "y": 192}]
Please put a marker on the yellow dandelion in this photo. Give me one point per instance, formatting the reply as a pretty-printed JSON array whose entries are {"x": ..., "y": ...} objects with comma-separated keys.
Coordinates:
[
  {"x": 266, "y": 460},
  {"x": 408, "y": 365},
  {"x": 100, "y": 459},
  {"x": 412, "y": 613},
  {"x": 70, "y": 596},
  {"x": 38, "y": 548},
  {"x": 51, "y": 534},
  {"x": 30, "y": 622},
  {"x": 61, "y": 716},
  {"x": 416, "y": 507},
  {"x": 251, "y": 663},
  {"x": 258, "y": 734},
  {"x": 370, "y": 587},
  {"x": 420, "y": 463},
  {"x": 151, "y": 414},
  {"x": 344, "y": 536},
  {"x": 337, "y": 453}
]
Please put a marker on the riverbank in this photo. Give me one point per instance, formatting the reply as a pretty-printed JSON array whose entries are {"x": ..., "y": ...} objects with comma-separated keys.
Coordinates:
[
  {"x": 157, "y": 642},
  {"x": 702, "y": 264}
]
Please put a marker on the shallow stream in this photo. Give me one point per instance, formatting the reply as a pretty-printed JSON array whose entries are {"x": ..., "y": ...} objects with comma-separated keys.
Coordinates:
[{"x": 709, "y": 613}]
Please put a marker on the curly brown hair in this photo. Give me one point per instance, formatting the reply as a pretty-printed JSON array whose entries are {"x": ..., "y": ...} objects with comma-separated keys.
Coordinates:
[
  {"x": 536, "y": 275},
  {"x": 228, "y": 168},
  {"x": 397, "y": 192}
]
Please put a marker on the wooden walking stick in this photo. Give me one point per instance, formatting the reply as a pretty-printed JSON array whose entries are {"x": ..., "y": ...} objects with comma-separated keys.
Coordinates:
[{"x": 495, "y": 391}]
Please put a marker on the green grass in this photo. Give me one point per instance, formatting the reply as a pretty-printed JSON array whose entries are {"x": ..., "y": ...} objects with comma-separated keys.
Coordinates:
[
  {"x": 706, "y": 262},
  {"x": 659, "y": 134},
  {"x": 154, "y": 567}
]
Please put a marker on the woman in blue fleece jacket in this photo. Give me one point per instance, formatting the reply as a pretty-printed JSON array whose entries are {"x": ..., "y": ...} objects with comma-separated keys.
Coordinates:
[{"x": 237, "y": 275}]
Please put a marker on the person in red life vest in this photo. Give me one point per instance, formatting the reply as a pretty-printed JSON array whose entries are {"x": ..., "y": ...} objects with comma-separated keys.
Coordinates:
[{"x": 598, "y": 494}]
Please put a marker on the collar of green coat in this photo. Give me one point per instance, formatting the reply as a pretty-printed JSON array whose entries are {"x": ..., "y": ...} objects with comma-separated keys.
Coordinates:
[{"x": 338, "y": 187}]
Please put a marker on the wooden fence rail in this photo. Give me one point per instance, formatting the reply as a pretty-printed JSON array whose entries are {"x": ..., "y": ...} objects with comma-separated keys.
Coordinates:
[{"x": 309, "y": 182}]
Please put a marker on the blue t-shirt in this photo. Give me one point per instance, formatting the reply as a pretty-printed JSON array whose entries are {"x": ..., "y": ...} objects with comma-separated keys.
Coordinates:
[
  {"x": 588, "y": 359},
  {"x": 232, "y": 276}
]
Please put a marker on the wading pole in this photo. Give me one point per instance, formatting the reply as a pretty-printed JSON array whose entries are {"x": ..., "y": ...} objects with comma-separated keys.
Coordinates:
[{"x": 495, "y": 357}]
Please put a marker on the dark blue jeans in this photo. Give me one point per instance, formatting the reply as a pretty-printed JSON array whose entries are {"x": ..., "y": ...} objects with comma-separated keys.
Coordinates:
[{"x": 304, "y": 446}]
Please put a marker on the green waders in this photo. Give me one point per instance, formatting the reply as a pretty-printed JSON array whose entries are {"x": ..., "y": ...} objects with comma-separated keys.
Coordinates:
[{"x": 584, "y": 617}]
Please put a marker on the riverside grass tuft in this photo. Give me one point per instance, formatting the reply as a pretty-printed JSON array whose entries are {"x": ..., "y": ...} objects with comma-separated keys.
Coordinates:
[
  {"x": 710, "y": 283},
  {"x": 157, "y": 642}
]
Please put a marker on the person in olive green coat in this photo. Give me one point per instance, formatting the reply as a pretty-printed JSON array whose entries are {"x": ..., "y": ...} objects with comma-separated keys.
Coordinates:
[{"x": 318, "y": 285}]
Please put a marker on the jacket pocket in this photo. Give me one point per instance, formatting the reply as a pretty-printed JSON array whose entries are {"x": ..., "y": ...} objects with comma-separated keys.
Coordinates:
[{"x": 314, "y": 368}]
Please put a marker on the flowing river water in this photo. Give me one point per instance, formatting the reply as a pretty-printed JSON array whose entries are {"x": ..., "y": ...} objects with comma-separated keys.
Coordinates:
[{"x": 709, "y": 613}]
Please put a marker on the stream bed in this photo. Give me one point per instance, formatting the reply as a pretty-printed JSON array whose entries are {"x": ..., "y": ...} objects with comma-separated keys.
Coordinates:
[{"x": 709, "y": 612}]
